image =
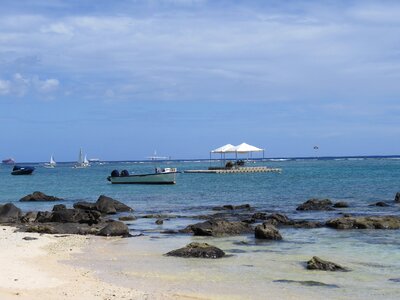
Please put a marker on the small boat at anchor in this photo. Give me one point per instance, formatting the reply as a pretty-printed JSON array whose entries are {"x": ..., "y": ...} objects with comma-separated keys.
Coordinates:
[
  {"x": 19, "y": 170},
  {"x": 160, "y": 176},
  {"x": 82, "y": 162}
]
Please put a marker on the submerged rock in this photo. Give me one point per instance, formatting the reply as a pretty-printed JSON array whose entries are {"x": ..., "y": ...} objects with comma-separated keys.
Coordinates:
[
  {"x": 198, "y": 250},
  {"x": 114, "y": 229},
  {"x": 39, "y": 196},
  {"x": 232, "y": 207},
  {"x": 278, "y": 219},
  {"x": 307, "y": 224},
  {"x": 316, "y": 263},
  {"x": 372, "y": 222},
  {"x": 316, "y": 204},
  {"x": 267, "y": 232},
  {"x": 127, "y": 218},
  {"x": 307, "y": 283},
  {"x": 218, "y": 228},
  {"x": 380, "y": 203},
  {"x": 159, "y": 221},
  {"x": 9, "y": 213}
]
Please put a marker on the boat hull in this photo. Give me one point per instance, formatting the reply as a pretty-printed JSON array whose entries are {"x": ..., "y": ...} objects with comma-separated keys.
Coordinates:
[
  {"x": 22, "y": 170},
  {"x": 157, "y": 178}
]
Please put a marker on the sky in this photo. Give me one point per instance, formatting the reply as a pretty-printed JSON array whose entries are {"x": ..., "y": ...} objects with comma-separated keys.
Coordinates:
[{"x": 122, "y": 78}]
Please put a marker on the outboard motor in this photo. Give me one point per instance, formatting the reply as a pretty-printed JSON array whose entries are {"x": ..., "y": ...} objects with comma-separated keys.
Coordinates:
[
  {"x": 115, "y": 173},
  {"x": 124, "y": 173}
]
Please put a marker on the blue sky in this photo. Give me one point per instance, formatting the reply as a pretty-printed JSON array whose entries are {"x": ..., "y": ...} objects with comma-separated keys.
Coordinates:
[{"x": 123, "y": 78}]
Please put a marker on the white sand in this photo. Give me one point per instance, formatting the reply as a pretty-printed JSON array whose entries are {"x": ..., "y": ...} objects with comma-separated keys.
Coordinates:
[{"x": 34, "y": 270}]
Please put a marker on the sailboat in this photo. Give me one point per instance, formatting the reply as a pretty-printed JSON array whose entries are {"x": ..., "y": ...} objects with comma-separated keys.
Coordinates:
[
  {"x": 50, "y": 164},
  {"x": 82, "y": 161}
]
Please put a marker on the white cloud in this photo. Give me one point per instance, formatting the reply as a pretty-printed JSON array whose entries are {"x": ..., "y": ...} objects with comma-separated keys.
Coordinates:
[
  {"x": 47, "y": 86},
  {"x": 4, "y": 87}
]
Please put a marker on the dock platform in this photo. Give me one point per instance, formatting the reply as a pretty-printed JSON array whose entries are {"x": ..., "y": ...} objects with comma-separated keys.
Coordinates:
[{"x": 237, "y": 170}]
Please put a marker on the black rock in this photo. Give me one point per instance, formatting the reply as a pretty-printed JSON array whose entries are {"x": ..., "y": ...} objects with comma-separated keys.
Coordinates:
[
  {"x": 39, "y": 196},
  {"x": 316, "y": 263},
  {"x": 397, "y": 197},
  {"x": 267, "y": 232},
  {"x": 219, "y": 228},
  {"x": 159, "y": 221},
  {"x": 341, "y": 204},
  {"x": 9, "y": 213},
  {"x": 380, "y": 203},
  {"x": 115, "y": 229},
  {"x": 75, "y": 216},
  {"x": 105, "y": 205},
  {"x": 58, "y": 207},
  {"x": 29, "y": 217},
  {"x": 278, "y": 219},
  {"x": 371, "y": 222},
  {"x": 316, "y": 204},
  {"x": 29, "y": 238},
  {"x": 197, "y": 250}
]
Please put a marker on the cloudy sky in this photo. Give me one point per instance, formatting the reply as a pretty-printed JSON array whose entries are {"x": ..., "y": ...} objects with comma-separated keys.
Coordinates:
[{"x": 123, "y": 78}]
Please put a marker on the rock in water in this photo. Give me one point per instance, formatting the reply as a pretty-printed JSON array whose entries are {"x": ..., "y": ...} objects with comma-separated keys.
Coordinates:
[
  {"x": 105, "y": 205},
  {"x": 316, "y": 204},
  {"x": 316, "y": 263},
  {"x": 39, "y": 196},
  {"x": 372, "y": 222},
  {"x": 341, "y": 204},
  {"x": 198, "y": 250},
  {"x": 267, "y": 232},
  {"x": 127, "y": 218},
  {"x": 115, "y": 228},
  {"x": 380, "y": 203},
  {"x": 219, "y": 228},
  {"x": 397, "y": 197},
  {"x": 9, "y": 213},
  {"x": 159, "y": 221}
]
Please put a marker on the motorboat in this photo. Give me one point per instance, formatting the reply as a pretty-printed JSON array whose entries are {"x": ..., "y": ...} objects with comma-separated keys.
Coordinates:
[
  {"x": 8, "y": 161},
  {"x": 19, "y": 170},
  {"x": 160, "y": 176},
  {"x": 50, "y": 164}
]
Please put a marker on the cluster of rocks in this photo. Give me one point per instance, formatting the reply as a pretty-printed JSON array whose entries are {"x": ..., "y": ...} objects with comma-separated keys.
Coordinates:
[{"x": 83, "y": 218}]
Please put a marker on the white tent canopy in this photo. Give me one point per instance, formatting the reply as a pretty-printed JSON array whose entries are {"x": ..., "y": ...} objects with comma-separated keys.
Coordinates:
[
  {"x": 244, "y": 148},
  {"x": 223, "y": 149}
]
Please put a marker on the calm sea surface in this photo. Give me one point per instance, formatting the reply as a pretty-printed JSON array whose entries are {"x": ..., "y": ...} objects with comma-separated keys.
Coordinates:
[{"x": 373, "y": 255}]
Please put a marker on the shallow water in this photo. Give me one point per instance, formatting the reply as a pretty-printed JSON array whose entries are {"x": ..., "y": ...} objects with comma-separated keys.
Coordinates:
[{"x": 372, "y": 255}]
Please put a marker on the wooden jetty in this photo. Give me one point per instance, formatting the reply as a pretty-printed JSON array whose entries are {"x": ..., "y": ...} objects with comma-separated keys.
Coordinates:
[{"x": 236, "y": 170}]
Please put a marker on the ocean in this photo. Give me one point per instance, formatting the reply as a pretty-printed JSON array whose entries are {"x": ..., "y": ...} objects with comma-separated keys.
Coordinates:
[{"x": 372, "y": 255}]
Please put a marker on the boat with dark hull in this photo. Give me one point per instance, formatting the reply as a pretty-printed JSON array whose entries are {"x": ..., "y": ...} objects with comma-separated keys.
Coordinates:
[
  {"x": 19, "y": 170},
  {"x": 160, "y": 176}
]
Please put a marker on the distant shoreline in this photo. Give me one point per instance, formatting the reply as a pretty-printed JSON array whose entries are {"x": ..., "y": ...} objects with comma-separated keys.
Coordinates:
[{"x": 277, "y": 158}]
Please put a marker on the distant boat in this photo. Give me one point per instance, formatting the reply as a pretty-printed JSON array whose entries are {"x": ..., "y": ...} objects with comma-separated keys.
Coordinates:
[
  {"x": 8, "y": 161},
  {"x": 160, "y": 176},
  {"x": 92, "y": 160},
  {"x": 19, "y": 170},
  {"x": 50, "y": 164},
  {"x": 82, "y": 161}
]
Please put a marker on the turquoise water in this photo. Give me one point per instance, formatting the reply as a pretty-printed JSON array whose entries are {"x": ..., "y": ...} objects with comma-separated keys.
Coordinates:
[{"x": 373, "y": 255}]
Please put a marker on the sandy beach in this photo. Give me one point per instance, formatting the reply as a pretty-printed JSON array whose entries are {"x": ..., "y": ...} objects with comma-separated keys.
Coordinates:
[{"x": 34, "y": 269}]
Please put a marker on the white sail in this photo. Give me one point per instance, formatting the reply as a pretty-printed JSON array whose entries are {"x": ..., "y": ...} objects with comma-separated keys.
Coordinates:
[
  {"x": 80, "y": 158},
  {"x": 85, "y": 160},
  {"x": 52, "y": 161}
]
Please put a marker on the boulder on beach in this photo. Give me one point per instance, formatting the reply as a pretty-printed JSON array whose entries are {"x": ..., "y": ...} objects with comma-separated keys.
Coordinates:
[
  {"x": 9, "y": 213},
  {"x": 39, "y": 196},
  {"x": 267, "y": 232},
  {"x": 61, "y": 228},
  {"x": 218, "y": 228},
  {"x": 397, "y": 197},
  {"x": 115, "y": 228},
  {"x": 105, "y": 205},
  {"x": 29, "y": 217},
  {"x": 371, "y": 222},
  {"x": 317, "y": 263},
  {"x": 198, "y": 250}
]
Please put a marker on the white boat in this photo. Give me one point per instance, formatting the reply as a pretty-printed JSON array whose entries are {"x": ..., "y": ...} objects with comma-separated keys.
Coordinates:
[
  {"x": 50, "y": 164},
  {"x": 82, "y": 161},
  {"x": 160, "y": 176}
]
